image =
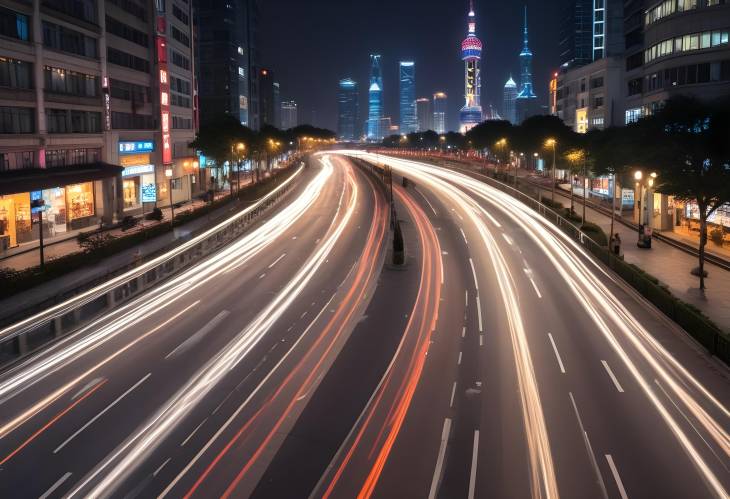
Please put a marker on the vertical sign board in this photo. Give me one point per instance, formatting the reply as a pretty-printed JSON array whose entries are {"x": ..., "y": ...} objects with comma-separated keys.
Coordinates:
[{"x": 164, "y": 81}]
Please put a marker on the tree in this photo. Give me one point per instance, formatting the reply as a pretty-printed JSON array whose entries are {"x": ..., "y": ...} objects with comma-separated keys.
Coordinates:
[
  {"x": 488, "y": 133},
  {"x": 686, "y": 143}
]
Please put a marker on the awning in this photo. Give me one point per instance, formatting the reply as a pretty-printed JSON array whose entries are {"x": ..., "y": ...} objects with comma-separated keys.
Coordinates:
[{"x": 37, "y": 179}]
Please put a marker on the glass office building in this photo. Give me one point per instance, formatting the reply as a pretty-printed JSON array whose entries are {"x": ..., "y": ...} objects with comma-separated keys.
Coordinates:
[
  {"x": 408, "y": 119},
  {"x": 347, "y": 117}
]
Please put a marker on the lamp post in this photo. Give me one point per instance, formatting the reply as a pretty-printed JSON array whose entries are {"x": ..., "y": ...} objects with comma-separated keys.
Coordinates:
[
  {"x": 552, "y": 143},
  {"x": 239, "y": 148},
  {"x": 168, "y": 174},
  {"x": 644, "y": 190}
]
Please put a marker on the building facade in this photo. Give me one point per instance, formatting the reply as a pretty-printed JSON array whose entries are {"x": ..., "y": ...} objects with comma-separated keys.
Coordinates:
[
  {"x": 375, "y": 131},
  {"x": 576, "y": 33},
  {"x": 226, "y": 52},
  {"x": 424, "y": 115},
  {"x": 408, "y": 122},
  {"x": 509, "y": 101},
  {"x": 471, "y": 54},
  {"x": 268, "y": 96},
  {"x": 98, "y": 103},
  {"x": 526, "y": 102},
  {"x": 289, "y": 115},
  {"x": 440, "y": 112},
  {"x": 348, "y": 107}
]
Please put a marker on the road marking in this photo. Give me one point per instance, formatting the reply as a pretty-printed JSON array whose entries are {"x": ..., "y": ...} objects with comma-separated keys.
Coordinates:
[
  {"x": 589, "y": 449},
  {"x": 464, "y": 236},
  {"x": 58, "y": 483},
  {"x": 193, "y": 432},
  {"x": 619, "y": 483},
  {"x": 304, "y": 314},
  {"x": 91, "y": 384},
  {"x": 528, "y": 273},
  {"x": 453, "y": 392},
  {"x": 481, "y": 340},
  {"x": 458, "y": 362},
  {"x": 441, "y": 263},
  {"x": 492, "y": 219},
  {"x": 473, "y": 474},
  {"x": 474, "y": 273},
  {"x": 157, "y": 471},
  {"x": 463, "y": 331},
  {"x": 479, "y": 313},
  {"x": 427, "y": 201},
  {"x": 613, "y": 378},
  {"x": 466, "y": 297},
  {"x": 91, "y": 421},
  {"x": 557, "y": 354},
  {"x": 440, "y": 460},
  {"x": 199, "y": 335},
  {"x": 262, "y": 275},
  {"x": 277, "y": 260},
  {"x": 507, "y": 238}
]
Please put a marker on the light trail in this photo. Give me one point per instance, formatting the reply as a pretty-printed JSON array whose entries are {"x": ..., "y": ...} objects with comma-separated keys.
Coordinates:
[
  {"x": 103, "y": 330},
  {"x": 601, "y": 305},
  {"x": 116, "y": 467}
]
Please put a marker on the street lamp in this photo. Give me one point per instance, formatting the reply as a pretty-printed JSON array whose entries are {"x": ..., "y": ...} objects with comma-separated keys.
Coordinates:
[
  {"x": 168, "y": 174},
  {"x": 552, "y": 143}
]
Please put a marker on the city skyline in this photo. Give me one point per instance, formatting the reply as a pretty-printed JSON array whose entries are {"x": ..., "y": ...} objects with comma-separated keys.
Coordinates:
[{"x": 433, "y": 47}]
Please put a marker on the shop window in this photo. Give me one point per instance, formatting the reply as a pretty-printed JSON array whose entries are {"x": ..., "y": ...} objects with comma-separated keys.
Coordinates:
[
  {"x": 80, "y": 201},
  {"x": 131, "y": 193}
]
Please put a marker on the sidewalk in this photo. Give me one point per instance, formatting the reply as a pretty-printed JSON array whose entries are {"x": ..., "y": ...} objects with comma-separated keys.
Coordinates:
[
  {"x": 28, "y": 255},
  {"x": 665, "y": 262}
]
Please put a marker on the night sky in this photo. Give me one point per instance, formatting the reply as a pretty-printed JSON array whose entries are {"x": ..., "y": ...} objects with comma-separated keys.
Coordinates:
[{"x": 311, "y": 44}]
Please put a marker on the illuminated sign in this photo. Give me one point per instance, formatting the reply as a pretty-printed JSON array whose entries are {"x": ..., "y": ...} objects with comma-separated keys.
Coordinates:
[
  {"x": 138, "y": 170},
  {"x": 149, "y": 189},
  {"x": 134, "y": 159},
  {"x": 136, "y": 147},
  {"x": 581, "y": 120},
  {"x": 164, "y": 83}
]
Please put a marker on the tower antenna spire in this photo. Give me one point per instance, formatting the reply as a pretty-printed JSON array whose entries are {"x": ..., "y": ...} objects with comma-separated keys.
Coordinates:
[{"x": 525, "y": 30}]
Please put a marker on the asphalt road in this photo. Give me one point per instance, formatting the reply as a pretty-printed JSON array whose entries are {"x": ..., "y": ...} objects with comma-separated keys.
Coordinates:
[
  {"x": 571, "y": 385},
  {"x": 147, "y": 398}
]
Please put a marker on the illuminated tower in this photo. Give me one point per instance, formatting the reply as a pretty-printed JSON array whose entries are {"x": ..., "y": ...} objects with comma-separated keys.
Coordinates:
[
  {"x": 471, "y": 54},
  {"x": 526, "y": 98},
  {"x": 375, "y": 100}
]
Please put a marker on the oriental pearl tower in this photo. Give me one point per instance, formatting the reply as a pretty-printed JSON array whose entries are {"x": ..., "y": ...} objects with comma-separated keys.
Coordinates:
[{"x": 471, "y": 54}]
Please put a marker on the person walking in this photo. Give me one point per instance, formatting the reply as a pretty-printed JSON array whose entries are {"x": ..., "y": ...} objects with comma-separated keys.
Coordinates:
[{"x": 617, "y": 244}]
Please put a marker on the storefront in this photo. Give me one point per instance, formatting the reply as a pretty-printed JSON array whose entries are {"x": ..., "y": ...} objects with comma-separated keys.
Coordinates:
[{"x": 138, "y": 176}]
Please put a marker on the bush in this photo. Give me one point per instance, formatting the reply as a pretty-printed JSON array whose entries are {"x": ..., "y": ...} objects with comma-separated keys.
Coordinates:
[
  {"x": 595, "y": 232},
  {"x": 91, "y": 242},
  {"x": 128, "y": 222},
  {"x": 155, "y": 214},
  {"x": 717, "y": 235}
]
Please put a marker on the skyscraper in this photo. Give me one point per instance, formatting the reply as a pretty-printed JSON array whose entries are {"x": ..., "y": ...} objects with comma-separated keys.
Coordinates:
[
  {"x": 375, "y": 100},
  {"x": 526, "y": 102},
  {"x": 347, "y": 118},
  {"x": 408, "y": 122},
  {"x": 440, "y": 105},
  {"x": 289, "y": 115},
  {"x": 471, "y": 54},
  {"x": 576, "y": 33},
  {"x": 268, "y": 91},
  {"x": 509, "y": 110},
  {"x": 424, "y": 116}
]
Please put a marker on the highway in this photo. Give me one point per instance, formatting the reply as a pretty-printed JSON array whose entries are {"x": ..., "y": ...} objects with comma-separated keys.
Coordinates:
[
  {"x": 501, "y": 361},
  {"x": 547, "y": 377},
  {"x": 141, "y": 401}
]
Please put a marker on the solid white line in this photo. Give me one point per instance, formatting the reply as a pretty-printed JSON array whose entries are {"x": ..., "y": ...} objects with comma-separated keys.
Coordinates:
[
  {"x": 91, "y": 421},
  {"x": 473, "y": 474},
  {"x": 58, "y": 483},
  {"x": 555, "y": 349},
  {"x": 458, "y": 362},
  {"x": 157, "y": 471},
  {"x": 479, "y": 313},
  {"x": 464, "y": 236},
  {"x": 463, "y": 331},
  {"x": 466, "y": 297},
  {"x": 474, "y": 273},
  {"x": 440, "y": 461},
  {"x": 481, "y": 340},
  {"x": 193, "y": 432},
  {"x": 277, "y": 261},
  {"x": 492, "y": 219},
  {"x": 427, "y": 201},
  {"x": 199, "y": 335},
  {"x": 589, "y": 448},
  {"x": 613, "y": 378},
  {"x": 616, "y": 477},
  {"x": 453, "y": 392}
]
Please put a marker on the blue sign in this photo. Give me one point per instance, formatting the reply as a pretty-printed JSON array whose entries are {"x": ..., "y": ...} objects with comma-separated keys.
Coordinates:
[
  {"x": 202, "y": 161},
  {"x": 136, "y": 146},
  {"x": 149, "y": 193},
  {"x": 36, "y": 202}
]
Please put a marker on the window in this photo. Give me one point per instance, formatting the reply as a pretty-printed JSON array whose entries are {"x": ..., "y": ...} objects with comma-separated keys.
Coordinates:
[
  {"x": 71, "y": 121},
  {"x": 241, "y": 72},
  {"x": 180, "y": 123},
  {"x": 686, "y": 43},
  {"x": 180, "y": 36},
  {"x": 131, "y": 7},
  {"x": 597, "y": 82},
  {"x": 17, "y": 120},
  {"x": 127, "y": 60},
  {"x": 13, "y": 24},
  {"x": 129, "y": 91},
  {"x": 633, "y": 115},
  {"x": 180, "y": 60},
  {"x": 15, "y": 73},
  {"x": 63, "y": 81},
  {"x": 180, "y": 14},
  {"x": 179, "y": 92},
  {"x": 67, "y": 40},
  {"x": 597, "y": 102},
  {"x": 636, "y": 86},
  {"x": 129, "y": 121},
  {"x": 79, "y": 9},
  {"x": 56, "y": 158},
  {"x": 17, "y": 160},
  {"x": 127, "y": 32}
]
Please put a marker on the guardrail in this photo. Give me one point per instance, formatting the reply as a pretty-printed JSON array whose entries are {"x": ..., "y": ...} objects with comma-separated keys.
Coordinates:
[{"x": 27, "y": 335}]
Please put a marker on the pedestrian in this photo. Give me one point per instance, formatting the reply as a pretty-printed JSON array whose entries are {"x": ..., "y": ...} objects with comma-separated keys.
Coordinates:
[{"x": 617, "y": 244}]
